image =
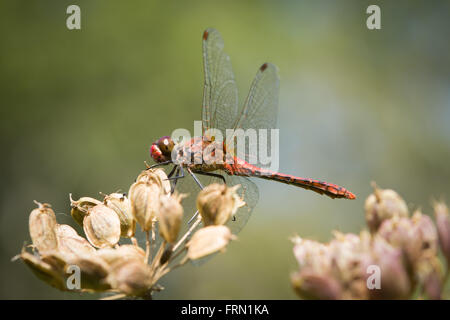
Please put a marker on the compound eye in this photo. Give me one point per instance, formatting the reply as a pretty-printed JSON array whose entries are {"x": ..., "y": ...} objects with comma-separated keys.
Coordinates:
[{"x": 165, "y": 144}]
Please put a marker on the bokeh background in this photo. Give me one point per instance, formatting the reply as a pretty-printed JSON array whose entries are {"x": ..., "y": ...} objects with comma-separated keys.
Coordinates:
[{"x": 79, "y": 110}]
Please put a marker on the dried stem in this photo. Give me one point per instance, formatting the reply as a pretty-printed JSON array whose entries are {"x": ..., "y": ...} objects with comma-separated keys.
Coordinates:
[
  {"x": 148, "y": 243},
  {"x": 187, "y": 234}
]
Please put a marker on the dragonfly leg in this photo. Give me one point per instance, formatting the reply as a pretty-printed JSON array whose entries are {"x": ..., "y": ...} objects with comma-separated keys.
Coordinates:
[
  {"x": 172, "y": 171},
  {"x": 180, "y": 171},
  {"x": 195, "y": 178},
  {"x": 201, "y": 187},
  {"x": 175, "y": 181},
  {"x": 221, "y": 177},
  {"x": 159, "y": 164}
]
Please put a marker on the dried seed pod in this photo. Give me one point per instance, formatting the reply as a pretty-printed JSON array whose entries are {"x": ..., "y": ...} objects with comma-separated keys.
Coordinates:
[
  {"x": 443, "y": 227},
  {"x": 431, "y": 275},
  {"x": 102, "y": 226},
  {"x": 124, "y": 252},
  {"x": 121, "y": 205},
  {"x": 42, "y": 224},
  {"x": 70, "y": 243},
  {"x": 56, "y": 259},
  {"x": 426, "y": 231},
  {"x": 44, "y": 271},
  {"x": 312, "y": 286},
  {"x": 312, "y": 254},
  {"x": 208, "y": 240},
  {"x": 395, "y": 282},
  {"x": 401, "y": 233},
  {"x": 93, "y": 272},
  {"x": 170, "y": 217},
  {"x": 80, "y": 208},
  {"x": 217, "y": 203},
  {"x": 144, "y": 198},
  {"x": 131, "y": 277},
  {"x": 383, "y": 204},
  {"x": 149, "y": 174},
  {"x": 165, "y": 182}
]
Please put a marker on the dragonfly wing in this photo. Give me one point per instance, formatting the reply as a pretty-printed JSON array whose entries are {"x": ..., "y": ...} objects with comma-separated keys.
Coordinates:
[
  {"x": 220, "y": 95},
  {"x": 249, "y": 192},
  {"x": 261, "y": 106}
]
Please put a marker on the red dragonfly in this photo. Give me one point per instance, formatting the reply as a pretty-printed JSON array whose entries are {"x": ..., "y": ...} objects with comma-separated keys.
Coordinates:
[{"x": 220, "y": 111}]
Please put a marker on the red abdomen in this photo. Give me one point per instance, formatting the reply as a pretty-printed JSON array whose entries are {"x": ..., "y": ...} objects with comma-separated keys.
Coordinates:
[{"x": 242, "y": 168}]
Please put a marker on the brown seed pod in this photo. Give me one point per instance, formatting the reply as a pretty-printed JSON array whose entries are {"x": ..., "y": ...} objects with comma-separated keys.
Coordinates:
[
  {"x": 80, "y": 208},
  {"x": 124, "y": 252},
  {"x": 217, "y": 203},
  {"x": 383, "y": 204},
  {"x": 145, "y": 201},
  {"x": 121, "y": 205},
  {"x": 132, "y": 277},
  {"x": 42, "y": 224},
  {"x": 70, "y": 243},
  {"x": 208, "y": 240},
  {"x": 170, "y": 217},
  {"x": 93, "y": 272},
  {"x": 44, "y": 271},
  {"x": 102, "y": 226}
]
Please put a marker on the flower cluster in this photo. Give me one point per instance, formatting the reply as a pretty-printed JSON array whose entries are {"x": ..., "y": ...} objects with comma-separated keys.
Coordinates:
[
  {"x": 126, "y": 269},
  {"x": 397, "y": 258}
]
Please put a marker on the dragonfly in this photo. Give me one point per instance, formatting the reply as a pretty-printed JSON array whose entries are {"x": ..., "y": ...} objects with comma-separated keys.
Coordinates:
[{"x": 220, "y": 111}]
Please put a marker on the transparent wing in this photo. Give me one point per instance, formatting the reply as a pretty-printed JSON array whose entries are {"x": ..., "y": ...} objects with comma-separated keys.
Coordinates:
[
  {"x": 261, "y": 106},
  {"x": 220, "y": 95},
  {"x": 248, "y": 191}
]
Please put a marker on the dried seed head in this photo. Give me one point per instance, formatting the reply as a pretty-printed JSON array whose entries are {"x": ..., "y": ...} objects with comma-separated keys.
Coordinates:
[
  {"x": 217, "y": 203},
  {"x": 70, "y": 243},
  {"x": 44, "y": 271},
  {"x": 94, "y": 272},
  {"x": 170, "y": 217},
  {"x": 121, "y": 205},
  {"x": 102, "y": 226},
  {"x": 80, "y": 208},
  {"x": 124, "y": 252},
  {"x": 312, "y": 286},
  {"x": 443, "y": 227},
  {"x": 145, "y": 200},
  {"x": 208, "y": 240},
  {"x": 383, "y": 204},
  {"x": 131, "y": 277},
  {"x": 42, "y": 224}
]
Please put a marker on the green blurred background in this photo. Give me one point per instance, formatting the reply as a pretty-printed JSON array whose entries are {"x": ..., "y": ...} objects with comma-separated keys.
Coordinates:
[{"x": 79, "y": 110}]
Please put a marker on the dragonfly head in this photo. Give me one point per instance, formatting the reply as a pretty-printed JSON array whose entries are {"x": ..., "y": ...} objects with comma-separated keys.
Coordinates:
[{"x": 161, "y": 149}]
